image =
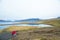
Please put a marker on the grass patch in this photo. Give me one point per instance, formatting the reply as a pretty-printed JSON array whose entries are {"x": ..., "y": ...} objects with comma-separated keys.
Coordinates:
[{"x": 18, "y": 28}]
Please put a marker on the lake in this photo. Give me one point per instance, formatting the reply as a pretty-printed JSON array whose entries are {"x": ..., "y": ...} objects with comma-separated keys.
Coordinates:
[{"x": 5, "y": 26}]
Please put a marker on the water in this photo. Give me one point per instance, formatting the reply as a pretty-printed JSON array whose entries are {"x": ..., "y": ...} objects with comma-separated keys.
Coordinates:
[{"x": 5, "y": 26}]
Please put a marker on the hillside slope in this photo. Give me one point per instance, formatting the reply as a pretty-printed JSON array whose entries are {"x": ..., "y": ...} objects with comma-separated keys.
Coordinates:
[
  {"x": 51, "y": 33},
  {"x": 54, "y": 22}
]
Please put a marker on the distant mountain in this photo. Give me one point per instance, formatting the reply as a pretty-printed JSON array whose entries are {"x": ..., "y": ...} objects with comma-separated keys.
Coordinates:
[
  {"x": 59, "y": 17},
  {"x": 2, "y": 21},
  {"x": 28, "y": 20},
  {"x": 25, "y": 20},
  {"x": 5, "y": 21}
]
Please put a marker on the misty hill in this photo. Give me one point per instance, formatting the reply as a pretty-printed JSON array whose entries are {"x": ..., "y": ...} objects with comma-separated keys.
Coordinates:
[
  {"x": 28, "y": 20},
  {"x": 58, "y": 17},
  {"x": 5, "y": 21},
  {"x": 2, "y": 21},
  {"x": 53, "y": 21}
]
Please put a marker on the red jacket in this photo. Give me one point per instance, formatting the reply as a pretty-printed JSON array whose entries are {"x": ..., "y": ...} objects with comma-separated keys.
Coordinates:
[{"x": 13, "y": 32}]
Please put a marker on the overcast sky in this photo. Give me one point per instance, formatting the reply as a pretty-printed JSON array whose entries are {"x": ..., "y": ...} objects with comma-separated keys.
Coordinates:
[{"x": 23, "y": 9}]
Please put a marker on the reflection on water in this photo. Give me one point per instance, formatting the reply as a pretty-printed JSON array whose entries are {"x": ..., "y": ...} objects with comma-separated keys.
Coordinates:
[{"x": 38, "y": 25}]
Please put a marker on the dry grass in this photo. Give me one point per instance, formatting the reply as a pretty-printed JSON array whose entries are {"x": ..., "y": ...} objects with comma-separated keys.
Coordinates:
[
  {"x": 20, "y": 28},
  {"x": 33, "y": 33},
  {"x": 0, "y": 31}
]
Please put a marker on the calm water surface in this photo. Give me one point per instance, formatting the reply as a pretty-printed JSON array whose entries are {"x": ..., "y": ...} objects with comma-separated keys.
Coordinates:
[{"x": 5, "y": 26}]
